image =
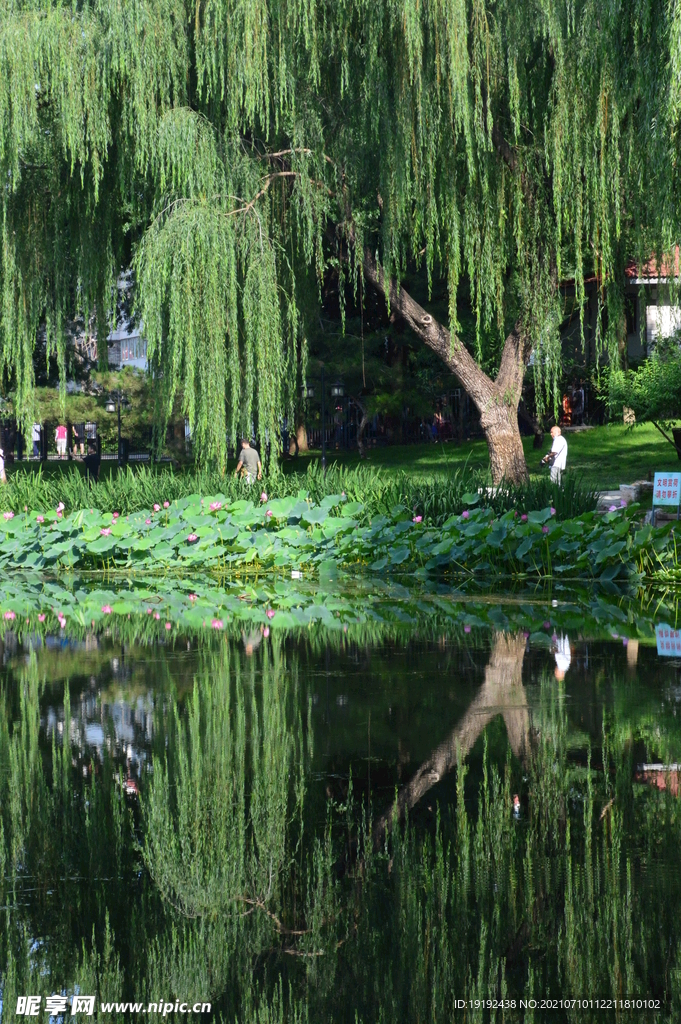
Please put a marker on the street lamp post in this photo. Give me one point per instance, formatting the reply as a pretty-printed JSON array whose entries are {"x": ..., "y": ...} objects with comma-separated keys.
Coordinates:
[
  {"x": 112, "y": 406},
  {"x": 338, "y": 394},
  {"x": 323, "y": 430}
]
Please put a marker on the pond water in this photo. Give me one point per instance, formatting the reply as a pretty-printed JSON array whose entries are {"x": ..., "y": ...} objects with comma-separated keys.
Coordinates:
[{"x": 473, "y": 817}]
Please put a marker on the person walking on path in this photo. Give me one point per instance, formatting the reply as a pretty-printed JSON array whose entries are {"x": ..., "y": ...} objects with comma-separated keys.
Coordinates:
[
  {"x": 557, "y": 457},
  {"x": 249, "y": 463},
  {"x": 60, "y": 438}
]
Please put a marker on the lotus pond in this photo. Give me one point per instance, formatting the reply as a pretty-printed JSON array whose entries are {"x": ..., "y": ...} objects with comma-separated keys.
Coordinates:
[
  {"x": 304, "y": 795},
  {"x": 293, "y": 533}
]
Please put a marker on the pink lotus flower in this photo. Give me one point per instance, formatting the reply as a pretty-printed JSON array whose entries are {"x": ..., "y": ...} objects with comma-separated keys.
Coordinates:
[
  {"x": 270, "y": 613},
  {"x": 466, "y": 629},
  {"x": 417, "y": 519},
  {"x": 523, "y": 518},
  {"x": 9, "y": 515},
  {"x": 116, "y": 515},
  {"x": 59, "y": 515},
  {"x": 41, "y": 617},
  {"x": 62, "y": 620},
  {"x": 215, "y": 505},
  {"x": 25, "y": 508},
  {"x": 148, "y": 522},
  {"x": 157, "y": 508},
  {"x": 465, "y": 514},
  {"x": 544, "y": 529},
  {"x": 625, "y": 641},
  {"x": 40, "y": 519},
  {"x": 553, "y": 511},
  {"x": 192, "y": 538},
  {"x": 157, "y": 616},
  {"x": 10, "y": 615},
  {"x": 60, "y": 506},
  {"x": 166, "y": 504},
  {"x": 168, "y": 625},
  {"x": 106, "y": 608},
  {"x": 216, "y": 623},
  {"x": 193, "y": 597},
  {"x": 266, "y": 632},
  {"x": 268, "y": 514},
  {"x": 613, "y": 508},
  {"x": 342, "y": 494},
  {"x": 105, "y": 531},
  {"x": 263, "y": 496},
  {"x": 547, "y": 625},
  {"x": 148, "y": 611}
]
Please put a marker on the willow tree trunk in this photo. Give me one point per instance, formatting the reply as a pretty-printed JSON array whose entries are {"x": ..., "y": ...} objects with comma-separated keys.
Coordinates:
[
  {"x": 506, "y": 453},
  {"x": 502, "y": 692},
  {"x": 496, "y": 400}
]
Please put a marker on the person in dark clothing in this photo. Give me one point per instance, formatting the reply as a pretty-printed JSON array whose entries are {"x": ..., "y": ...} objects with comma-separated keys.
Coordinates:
[{"x": 92, "y": 462}]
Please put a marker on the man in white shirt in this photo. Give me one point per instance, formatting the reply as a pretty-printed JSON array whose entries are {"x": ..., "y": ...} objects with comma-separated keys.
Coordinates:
[
  {"x": 557, "y": 457},
  {"x": 36, "y": 440},
  {"x": 562, "y": 655}
]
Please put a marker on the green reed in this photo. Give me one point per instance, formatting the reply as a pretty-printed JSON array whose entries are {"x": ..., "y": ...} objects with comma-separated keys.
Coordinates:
[{"x": 435, "y": 498}]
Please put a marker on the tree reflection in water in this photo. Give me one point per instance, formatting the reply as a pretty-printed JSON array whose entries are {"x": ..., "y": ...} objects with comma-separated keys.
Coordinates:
[{"x": 223, "y": 885}]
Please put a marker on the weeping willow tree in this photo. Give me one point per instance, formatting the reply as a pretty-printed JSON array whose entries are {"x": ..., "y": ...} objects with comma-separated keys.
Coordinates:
[{"x": 226, "y": 147}]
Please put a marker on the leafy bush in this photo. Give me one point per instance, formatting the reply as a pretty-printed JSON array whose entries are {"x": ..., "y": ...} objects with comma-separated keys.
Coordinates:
[{"x": 653, "y": 391}]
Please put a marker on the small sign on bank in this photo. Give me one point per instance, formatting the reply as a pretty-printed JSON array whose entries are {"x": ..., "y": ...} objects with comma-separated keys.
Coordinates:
[
  {"x": 666, "y": 492},
  {"x": 668, "y": 641}
]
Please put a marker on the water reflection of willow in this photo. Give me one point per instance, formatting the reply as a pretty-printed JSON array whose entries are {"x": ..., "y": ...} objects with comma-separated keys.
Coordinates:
[
  {"x": 248, "y": 901},
  {"x": 218, "y": 806}
]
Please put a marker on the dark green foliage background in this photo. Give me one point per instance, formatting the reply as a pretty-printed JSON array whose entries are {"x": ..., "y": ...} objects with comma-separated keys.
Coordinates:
[{"x": 237, "y": 150}]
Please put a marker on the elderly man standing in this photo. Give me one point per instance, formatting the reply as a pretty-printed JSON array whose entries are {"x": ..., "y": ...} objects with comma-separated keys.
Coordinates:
[{"x": 557, "y": 457}]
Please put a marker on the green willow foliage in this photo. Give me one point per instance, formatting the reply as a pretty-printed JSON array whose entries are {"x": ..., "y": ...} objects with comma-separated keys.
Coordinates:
[
  {"x": 579, "y": 896},
  {"x": 49, "y": 825},
  {"x": 211, "y": 857},
  {"x": 224, "y": 144}
]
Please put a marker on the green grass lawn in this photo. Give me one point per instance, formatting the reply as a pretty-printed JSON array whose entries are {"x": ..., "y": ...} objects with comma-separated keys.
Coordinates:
[{"x": 605, "y": 456}]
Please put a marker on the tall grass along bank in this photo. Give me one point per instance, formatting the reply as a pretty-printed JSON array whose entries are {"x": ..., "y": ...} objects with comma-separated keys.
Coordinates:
[{"x": 379, "y": 492}]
